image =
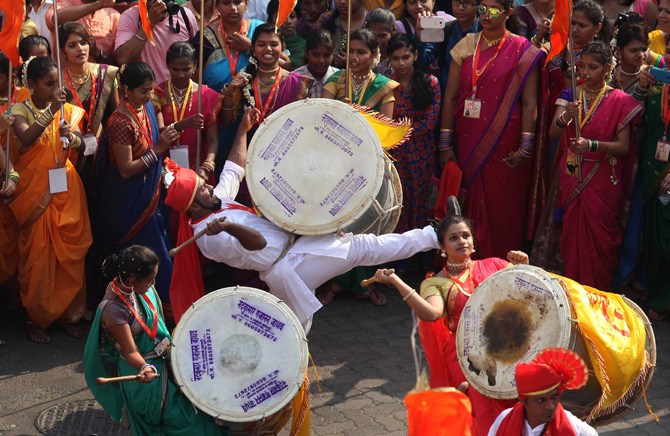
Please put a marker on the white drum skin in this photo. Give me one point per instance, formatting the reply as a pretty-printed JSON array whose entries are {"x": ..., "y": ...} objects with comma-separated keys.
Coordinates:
[
  {"x": 315, "y": 166},
  {"x": 239, "y": 354}
]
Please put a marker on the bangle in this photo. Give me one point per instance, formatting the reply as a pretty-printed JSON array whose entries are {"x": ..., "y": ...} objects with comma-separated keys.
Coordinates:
[
  {"x": 148, "y": 365},
  {"x": 207, "y": 166},
  {"x": 227, "y": 92},
  {"x": 45, "y": 119},
  {"x": 75, "y": 142},
  {"x": 409, "y": 295},
  {"x": 149, "y": 158},
  {"x": 139, "y": 37},
  {"x": 593, "y": 145},
  {"x": 445, "y": 141},
  {"x": 13, "y": 175},
  {"x": 447, "y": 130},
  {"x": 527, "y": 144}
]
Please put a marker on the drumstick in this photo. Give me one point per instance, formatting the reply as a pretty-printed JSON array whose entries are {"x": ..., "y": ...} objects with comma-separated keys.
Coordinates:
[
  {"x": 367, "y": 282},
  {"x": 194, "y": 238},
  {"x": 126, "y": 378}
]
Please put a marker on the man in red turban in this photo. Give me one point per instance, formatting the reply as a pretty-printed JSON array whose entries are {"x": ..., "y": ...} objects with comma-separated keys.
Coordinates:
[
  {"x": 539, "y": 384},
  {"x": 237, "y": 236}
]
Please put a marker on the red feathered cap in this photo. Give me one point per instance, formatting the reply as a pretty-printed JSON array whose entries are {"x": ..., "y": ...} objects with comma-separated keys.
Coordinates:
[
  {"x": 182, "y": 186},
  {"x": 553, "y": 368}
]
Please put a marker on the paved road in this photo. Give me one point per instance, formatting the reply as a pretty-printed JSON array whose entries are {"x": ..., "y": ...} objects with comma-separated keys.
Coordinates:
[{"x": 363, "y": 357}]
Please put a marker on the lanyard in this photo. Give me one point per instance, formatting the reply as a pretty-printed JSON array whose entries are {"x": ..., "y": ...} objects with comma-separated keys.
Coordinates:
[
  {"x": 591, "y": 111},
  {"x": 143, "y": 125},
  {"x": 91, "y": 106},
  {"x": 257, "y": 91},
  {"x": 666, "y": 113},
  {"x": 232, "y": 59},
  {"x": 51, "y": 131},
  {"x": 183, "y": 106},
  {"x": 476, "y": 74},
  {"x": 154, "y": 329}
]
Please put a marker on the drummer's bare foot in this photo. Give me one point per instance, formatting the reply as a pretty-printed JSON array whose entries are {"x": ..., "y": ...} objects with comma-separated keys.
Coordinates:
[
  {"x": 655, "y": 315},
  {"x": 36, "y": 333},
  {"x": 332, "y": 289},
  {"x": 74, "y": 330}
]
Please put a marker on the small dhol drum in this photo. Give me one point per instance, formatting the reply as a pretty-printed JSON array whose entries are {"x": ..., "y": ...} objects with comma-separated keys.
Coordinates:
[
  {"x": 518, "y": 312},
  {"x": 240, "y": 355},
  {"x": 317, "y": 166}
]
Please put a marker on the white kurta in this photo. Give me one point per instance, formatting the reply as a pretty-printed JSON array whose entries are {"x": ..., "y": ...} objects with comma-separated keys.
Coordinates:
[
  {"x": 580, "y": 427},
  {"x": 311, "y": 261}
]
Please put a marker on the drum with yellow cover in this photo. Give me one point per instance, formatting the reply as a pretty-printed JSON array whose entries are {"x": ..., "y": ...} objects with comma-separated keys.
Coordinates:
[{"x": 519, "y": 311}]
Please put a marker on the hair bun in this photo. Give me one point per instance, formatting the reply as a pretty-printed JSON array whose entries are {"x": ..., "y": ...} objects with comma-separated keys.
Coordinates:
[{"x": 110, "y": 268}]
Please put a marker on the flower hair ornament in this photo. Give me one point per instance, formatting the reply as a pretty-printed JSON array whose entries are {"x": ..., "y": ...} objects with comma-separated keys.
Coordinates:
[
  {"x": 24, "y": 80},
  {"x": 376, "y": 60}
]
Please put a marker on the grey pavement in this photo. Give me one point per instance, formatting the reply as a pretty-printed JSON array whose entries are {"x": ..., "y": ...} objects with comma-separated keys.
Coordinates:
[{"x": 363, "y": 357}]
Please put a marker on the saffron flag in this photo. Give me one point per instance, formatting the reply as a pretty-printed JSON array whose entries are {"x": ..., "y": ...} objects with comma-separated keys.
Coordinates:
[
  {"x": 144, "y": 18},
  {"x": 15, "y": 12},
  {"x": 560, "y": 27},
  {"x": 285, "y": 9}
]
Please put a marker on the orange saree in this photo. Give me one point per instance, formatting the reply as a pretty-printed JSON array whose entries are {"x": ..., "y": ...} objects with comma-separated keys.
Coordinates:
[
  {"x": 55, "y": 231},
  {"x": 9, "y": 230}
]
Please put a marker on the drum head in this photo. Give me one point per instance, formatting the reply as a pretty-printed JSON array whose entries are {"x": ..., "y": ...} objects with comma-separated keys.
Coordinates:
[
  {"x": 314, "y": 166},
  {"x": 239, "y": 354},
  {"x": 512, "y": 316}
]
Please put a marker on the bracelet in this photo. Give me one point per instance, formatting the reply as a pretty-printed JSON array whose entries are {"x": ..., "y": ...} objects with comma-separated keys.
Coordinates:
[
  {"x": 148, "y": 365},
  {"x": 139, "y": 37},
  {"x": 593, "y": 145},
  {"x": 226, "y": 92},
  {"x": 560, "y": 124},
  {"x": 445, "y": 141},
  {"x": 527, "y": 144},
  {"x": 447, "y": 130},
  {"x": 207, "y": 166},
  {"x": 409, "y": 295},
  {"x": 639, "y": 94},
  {"x": 13, "y": 175},
  {"x": 149, "y": 158},
  {"x": 75, "y": 142},
  {"x": 534, "y": 40}
]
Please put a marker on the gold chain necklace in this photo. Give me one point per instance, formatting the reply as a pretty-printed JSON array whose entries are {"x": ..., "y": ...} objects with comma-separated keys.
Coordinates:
[{"x": 491, "y": 43}]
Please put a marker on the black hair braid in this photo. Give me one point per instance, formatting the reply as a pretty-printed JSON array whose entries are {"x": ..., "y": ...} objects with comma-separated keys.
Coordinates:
[{"x": 422, "y": 96}]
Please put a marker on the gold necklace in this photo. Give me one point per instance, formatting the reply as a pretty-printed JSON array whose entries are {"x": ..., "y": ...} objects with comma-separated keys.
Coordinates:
[
  {"x": 594, "y": 91},
  {"x": 491, "y": 43},
  {"x": 81, "y": 78}
]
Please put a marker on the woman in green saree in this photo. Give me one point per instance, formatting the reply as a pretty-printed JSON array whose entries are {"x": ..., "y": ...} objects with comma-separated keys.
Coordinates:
[{"x": 128, "y": 326}]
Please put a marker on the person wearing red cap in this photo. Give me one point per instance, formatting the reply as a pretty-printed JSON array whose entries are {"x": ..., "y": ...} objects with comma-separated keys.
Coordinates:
[
  {"x": 540, "y": 383},
  {"x": 247, "y": 241}
]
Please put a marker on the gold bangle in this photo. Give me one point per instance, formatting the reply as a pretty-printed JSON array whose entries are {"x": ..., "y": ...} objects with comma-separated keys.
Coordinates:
[
  {"x": 409, "y": 295},
  {"x": 447, "y": 130}
]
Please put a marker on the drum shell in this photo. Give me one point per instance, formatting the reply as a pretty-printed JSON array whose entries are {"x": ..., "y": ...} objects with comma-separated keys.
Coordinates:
[{"x": 307, "y": 182}]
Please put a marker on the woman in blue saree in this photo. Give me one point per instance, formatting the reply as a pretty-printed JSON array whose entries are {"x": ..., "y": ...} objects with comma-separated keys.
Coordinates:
[
  {"x": 121, "y": 342},
  {"x": 131, "y": 173}
]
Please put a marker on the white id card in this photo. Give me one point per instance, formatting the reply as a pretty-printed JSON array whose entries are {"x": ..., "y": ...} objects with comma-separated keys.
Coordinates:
[
  {"x": 179, "y": 155},
  {"x": 662, "y": 150},
  {"x": 473, "y": 108},
  {"x": 162, "y": 346},
  {"x": 57, "y": 180},
  {"x": 91, "y": 144}
]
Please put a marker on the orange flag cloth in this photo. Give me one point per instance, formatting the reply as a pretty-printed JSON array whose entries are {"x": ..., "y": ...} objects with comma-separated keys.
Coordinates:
[
  {"x": 144, "y": 17},
  {"x": 15, "y": 12},
  {"x": 560, "y": 27},
  {"x": 285, "y": 8}
]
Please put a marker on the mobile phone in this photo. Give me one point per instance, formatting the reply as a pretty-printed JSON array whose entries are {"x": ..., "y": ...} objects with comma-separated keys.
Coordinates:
[
  {"x": 660, "y": 75},
  {"x": 433, "y": 22},
  {"x": 621, "y": 19}
]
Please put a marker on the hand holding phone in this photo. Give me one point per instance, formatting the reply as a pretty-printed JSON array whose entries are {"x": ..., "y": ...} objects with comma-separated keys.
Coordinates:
[{"x": 660, "y": 75}]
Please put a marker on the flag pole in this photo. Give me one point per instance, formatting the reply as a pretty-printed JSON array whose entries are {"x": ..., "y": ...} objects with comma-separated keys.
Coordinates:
[
  {"x": 60, "y": 79},
  {"x": 9, "y": 134},
  {"x": 573, "y": 71},
  {"x": 347, "y": 80},
  {"x": 198, "y": 140}
]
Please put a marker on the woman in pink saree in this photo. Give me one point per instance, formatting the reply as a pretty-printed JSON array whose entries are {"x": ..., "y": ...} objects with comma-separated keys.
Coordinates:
[
  {"x": 593, "y": 209},
  {"x": 488, "y": 124}
]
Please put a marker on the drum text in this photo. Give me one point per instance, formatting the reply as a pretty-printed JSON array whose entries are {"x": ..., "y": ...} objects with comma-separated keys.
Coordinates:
[
  {"x": 202, "y": 355},
  {"x": 258, "y": 321},
  {"x": 261, "y": 390}
]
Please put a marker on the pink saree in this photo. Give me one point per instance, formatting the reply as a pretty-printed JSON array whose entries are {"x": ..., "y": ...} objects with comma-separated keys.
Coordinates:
[
  {"x": 497, "y": 194},
  {"x": 591, "y": 235}
]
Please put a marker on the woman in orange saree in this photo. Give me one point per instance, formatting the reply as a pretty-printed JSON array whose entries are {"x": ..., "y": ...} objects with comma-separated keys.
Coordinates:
[{"x": 49, "y": 206}]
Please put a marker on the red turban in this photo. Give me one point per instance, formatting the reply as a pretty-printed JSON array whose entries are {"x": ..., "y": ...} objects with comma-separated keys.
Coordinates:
[
  {"x": 553, "y": 368},
  {"x": 186, "y": 286},
  {"x": 182, "y": 186}
]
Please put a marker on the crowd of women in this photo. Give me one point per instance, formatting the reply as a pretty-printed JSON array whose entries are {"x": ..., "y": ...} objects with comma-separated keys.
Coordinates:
[{"x": 488, "y": 110}]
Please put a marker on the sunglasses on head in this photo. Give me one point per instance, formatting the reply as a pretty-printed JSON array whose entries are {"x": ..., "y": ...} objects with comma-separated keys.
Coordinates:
[{"x": 493, "y": 12}]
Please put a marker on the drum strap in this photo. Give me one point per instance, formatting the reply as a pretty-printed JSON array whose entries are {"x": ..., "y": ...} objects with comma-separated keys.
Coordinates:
[{"x": 289, "y": 243}]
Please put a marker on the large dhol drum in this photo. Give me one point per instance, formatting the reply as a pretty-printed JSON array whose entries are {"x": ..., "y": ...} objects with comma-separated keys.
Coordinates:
[
  {"x": 316, "y": 167},
  {"x": 516, "y": 313},
  {"x": 240, "y": 355}
]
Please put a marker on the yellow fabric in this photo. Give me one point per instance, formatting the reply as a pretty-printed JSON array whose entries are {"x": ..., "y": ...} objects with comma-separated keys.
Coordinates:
[
  {"x": 300, "y": 401},
  {"x": 398, "y": 7},
  {"x": 617, "y": 334},
  {"x": 389, "y": 135},
  {"x": 435, "y": 286},
  {"x": 657, "y": 42}
]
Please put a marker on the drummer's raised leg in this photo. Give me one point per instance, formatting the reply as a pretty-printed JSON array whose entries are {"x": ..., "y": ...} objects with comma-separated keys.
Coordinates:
[{"x": 367, "y": 249}]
